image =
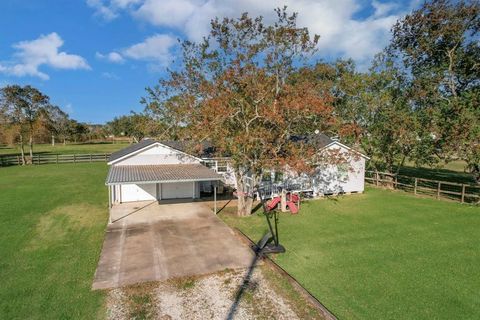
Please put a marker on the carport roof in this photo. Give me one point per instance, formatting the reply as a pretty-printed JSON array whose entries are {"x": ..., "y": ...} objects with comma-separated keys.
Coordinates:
[{"x": 142, "y": 174}]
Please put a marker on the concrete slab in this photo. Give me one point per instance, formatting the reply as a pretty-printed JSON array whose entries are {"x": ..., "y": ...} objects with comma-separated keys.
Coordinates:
[{"x": 153, "y": 242}]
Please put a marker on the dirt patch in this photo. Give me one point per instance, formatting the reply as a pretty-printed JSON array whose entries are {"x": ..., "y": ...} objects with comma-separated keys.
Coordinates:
[
  {"x": 219, "y": 296},
  {"x": 53, "y": 226}
]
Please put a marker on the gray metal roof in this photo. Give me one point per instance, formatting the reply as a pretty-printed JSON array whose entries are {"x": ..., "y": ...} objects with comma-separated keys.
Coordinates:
[
  {"x": 318, "y": 140},
  {"x": 160, "y": 174},
  {"x": 131, "y": 148}
]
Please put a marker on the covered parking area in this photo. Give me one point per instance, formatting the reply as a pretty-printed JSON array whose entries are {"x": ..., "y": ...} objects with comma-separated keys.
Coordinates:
[{"x": 162, "y": 183}]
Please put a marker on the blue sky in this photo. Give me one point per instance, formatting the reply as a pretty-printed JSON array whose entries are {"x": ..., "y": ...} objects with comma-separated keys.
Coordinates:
[{"x": 94, "y": 58}]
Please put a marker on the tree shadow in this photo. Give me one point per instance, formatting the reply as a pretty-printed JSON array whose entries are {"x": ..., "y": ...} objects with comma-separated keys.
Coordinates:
[{"x": 246, "y": 282}]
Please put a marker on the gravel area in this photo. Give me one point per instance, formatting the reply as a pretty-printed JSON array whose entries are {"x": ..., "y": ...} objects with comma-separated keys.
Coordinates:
[{"x": 207, "y": 297}]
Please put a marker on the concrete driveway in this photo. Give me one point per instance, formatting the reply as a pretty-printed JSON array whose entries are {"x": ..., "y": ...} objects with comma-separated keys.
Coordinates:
[{"x": 151, "y": 242}]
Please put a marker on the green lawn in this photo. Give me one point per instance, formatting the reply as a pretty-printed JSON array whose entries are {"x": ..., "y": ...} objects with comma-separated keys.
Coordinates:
[
  {"x": 382, "y": 255},
  {"x": 51, "y": 232},
  {"x": 453, "y": 171},
  {"x": 79, "y": 148}
]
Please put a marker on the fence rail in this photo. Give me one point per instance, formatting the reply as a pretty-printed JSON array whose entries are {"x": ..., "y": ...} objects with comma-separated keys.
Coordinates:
[
  {"x": 465, "y": 193},
  {"x": 11, "y": 160}
]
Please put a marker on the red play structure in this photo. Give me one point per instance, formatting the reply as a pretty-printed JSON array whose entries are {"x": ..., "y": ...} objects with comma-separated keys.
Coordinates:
[{"x": 293, "y": 203}]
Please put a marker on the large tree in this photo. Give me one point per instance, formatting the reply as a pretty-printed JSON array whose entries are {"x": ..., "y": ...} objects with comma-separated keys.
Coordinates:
[
  {"x": 21, "y": 106},
  {"x": 55, "y": 121},
  {"x": 438, "y": 45},
  {"x": 238, "y": 89}
]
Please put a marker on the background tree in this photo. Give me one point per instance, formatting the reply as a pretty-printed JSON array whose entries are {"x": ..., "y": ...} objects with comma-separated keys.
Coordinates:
[
  {"x": 239, "y": 90},
  {"x": 438, "y": 46},
  {"x": 21, "y": 106},
  {"x": 136, "y": 126},
  {"x": 76, "y": 131},
  {"x": 56, "y": 122}
]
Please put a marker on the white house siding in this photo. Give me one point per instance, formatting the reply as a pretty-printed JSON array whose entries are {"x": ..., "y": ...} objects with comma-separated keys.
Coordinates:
[
  {"x": 154, "y": 155},
  {"x": 343, "y": 177},
  {"x": 327, "y": 178},
  {"x": 179, "y": 190},
  {"x": 158, "y": 154},
  {"x": 138, "y": 192}
]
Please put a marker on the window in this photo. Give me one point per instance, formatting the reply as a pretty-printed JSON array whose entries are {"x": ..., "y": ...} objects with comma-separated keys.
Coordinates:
[{"x": 342, "y": 169}]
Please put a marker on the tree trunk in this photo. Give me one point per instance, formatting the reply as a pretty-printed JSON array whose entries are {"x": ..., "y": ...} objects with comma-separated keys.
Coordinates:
[
  {"x": 30, "y": 144},
  {"x": 53, "y": 140},
  {"x": 244, "y": 197},
  {"x": 22, "y": 150}
]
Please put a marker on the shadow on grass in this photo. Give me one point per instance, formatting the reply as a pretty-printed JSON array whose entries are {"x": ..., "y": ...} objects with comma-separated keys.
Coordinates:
[{"x": 438, "y": 174}]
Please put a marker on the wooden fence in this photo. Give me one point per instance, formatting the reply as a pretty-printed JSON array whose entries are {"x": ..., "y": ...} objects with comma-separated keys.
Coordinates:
[
  {"x": 465, "y": 193},
  {"x": 9, "y": 160}
]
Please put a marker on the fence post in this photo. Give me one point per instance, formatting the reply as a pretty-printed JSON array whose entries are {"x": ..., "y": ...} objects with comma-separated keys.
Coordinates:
[
  {"x": 395, "y": 186},
  {"x": 56, "y": 161},
  {"x": 90, "y": 157},
  {"x": 18, "y": 160},
  {"x": 38, "y": 159},
  {"x": 415, "y": 186},
  {"x": 74, "y": 160},
  {"x": 105, "y": 157},
  {"x": 463, "y": 193},
  {"x": 438, "y": 190},
  {"x": 376, "y": 178}
]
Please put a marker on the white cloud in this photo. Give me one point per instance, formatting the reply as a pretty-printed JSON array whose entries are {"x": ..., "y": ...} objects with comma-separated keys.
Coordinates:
[
  {"x": 342, "y": 33},
  {"x": 113, "y": 56},
  {"x": 172, "y": 13},
  {"x": 68, "y": 108},
  {"x": 383, "y": 9},
  {"x": 110, "y": 75},
  {"x": 155, "y": 49},
  {"x": 109, "y": 10},
  {"x": 31, "y": 55},
  {"x": 102, "y": 10}
]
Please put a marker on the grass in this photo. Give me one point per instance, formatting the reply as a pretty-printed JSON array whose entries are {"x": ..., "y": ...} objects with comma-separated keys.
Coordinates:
[
  {"x": 140, "y": 301},
  {"x": 382, "y": 255},
  {"x": 59, "y": 148},
  {"x": 52, "y": 226},
  {"x": 282, "y": 287},
  {"x": 453, "y": 172}
]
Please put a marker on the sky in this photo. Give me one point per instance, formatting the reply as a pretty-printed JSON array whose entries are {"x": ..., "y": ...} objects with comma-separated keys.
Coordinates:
[{"x": 94, "y": 58}]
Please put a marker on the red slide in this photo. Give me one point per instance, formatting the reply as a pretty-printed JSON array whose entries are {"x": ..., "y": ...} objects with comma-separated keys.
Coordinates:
[
  {"x": 292, "y": 207},
  {"x": 273, "y": 203}
]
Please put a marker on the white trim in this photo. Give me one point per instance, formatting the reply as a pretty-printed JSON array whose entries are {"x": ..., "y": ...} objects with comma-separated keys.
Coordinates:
[
  {"x": 346, "y": 147},
  {"x": 156, "y": 143}
]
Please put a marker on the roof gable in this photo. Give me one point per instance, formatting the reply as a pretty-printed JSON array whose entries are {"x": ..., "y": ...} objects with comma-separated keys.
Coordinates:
[
  {"x": 145, "y": 147},
  {"x": 322, "y": 141},
  {"x": 130, "y": 149}
]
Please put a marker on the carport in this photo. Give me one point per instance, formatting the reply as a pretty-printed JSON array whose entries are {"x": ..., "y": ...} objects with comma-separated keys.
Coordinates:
[{"x": 134, "y": 183}]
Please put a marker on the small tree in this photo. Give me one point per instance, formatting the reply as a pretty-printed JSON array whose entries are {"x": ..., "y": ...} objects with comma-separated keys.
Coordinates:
[{"x": 239, "y": 90}]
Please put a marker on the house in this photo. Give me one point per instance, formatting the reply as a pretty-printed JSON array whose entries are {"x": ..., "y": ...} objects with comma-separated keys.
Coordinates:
[
  {"x": 153, "y": 170},
  {"x": 345, "y": 173},
  {"x": 160, "y": 170}
]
